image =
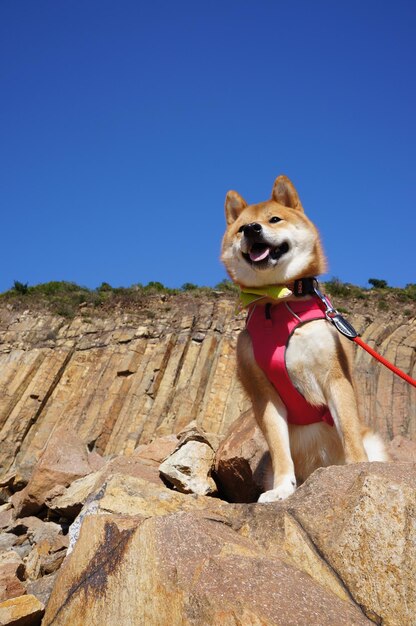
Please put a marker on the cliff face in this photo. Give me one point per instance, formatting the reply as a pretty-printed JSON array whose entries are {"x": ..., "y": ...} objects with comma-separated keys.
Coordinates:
[{"x": 122, "y": 376}]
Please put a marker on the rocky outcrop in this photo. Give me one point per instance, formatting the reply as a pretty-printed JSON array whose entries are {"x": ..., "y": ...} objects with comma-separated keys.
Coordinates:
[
  {"x": 121, "y": 378},
  {"x": 340, "y": 551},
  {"x": 121, "y": 544}
]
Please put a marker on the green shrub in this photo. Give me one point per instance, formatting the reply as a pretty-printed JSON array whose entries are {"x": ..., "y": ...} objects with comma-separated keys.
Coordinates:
[
  {"x": 226, "y": 285},
  {"x": 154, "y": 285},
  {"x": 105, "y": 287},
  {"x": 57, "y": 287},
  {"x": 19, "y": 287},
  {"x": 378, "y": 283},
  {"x": 409, "y": 291},
  {"x": 189, "y": 286},
  {"x": 336, "y": 287}
]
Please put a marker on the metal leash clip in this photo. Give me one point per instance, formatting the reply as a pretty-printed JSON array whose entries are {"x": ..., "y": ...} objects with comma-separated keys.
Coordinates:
[{"x": 332, "y": 315}]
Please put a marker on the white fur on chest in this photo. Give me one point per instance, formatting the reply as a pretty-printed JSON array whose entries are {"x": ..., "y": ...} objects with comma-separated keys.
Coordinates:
[{"x": 309, "y": 355}]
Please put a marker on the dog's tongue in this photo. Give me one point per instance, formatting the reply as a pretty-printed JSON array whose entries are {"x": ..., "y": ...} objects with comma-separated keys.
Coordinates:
[{"x": 258, "y": 254}]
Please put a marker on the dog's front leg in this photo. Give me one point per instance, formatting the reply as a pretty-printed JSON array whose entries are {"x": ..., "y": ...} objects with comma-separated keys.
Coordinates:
[
  {"x": 271, "y": 417},
  {"x": 342, "y": 404},
  {"x": 270, "y": 414}
]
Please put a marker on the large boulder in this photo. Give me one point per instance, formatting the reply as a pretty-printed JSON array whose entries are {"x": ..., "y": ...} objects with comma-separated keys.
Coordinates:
[
  {"x": 242, "y": 462},
  {"x": 64, "y": 459},
  {"x": 185, "y": 568},
  {"x": 362, "y": 520}
]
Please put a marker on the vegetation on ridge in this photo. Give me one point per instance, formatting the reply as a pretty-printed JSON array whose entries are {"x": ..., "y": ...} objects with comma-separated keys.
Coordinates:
[{"x": 65, "y": 298}]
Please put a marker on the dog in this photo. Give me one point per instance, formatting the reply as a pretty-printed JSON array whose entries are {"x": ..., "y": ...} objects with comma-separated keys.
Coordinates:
[{"x": 293, "y": 363}]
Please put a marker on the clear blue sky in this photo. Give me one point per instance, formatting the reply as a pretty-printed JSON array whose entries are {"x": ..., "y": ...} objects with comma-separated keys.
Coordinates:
[{"x": 124, "y": 123}]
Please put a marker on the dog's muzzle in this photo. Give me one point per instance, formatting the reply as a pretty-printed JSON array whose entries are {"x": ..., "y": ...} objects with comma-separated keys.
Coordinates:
[{"x": 259, "y": 251}]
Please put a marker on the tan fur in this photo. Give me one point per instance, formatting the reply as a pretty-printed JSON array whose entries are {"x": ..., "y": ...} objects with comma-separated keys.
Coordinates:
[{"x": 318, "y": 358}]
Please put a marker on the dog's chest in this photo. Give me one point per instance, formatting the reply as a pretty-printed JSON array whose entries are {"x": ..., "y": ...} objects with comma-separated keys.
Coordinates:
[{"x": 308, "y": 358}]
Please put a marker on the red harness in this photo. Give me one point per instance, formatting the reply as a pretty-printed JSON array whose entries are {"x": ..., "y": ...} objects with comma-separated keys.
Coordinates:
[{"x": 270, "y": 328}]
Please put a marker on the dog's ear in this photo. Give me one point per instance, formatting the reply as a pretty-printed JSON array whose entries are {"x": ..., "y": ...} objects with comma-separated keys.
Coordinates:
[
  {"x": 285, "y": 193},
  {"x": 234, "y": 204}
]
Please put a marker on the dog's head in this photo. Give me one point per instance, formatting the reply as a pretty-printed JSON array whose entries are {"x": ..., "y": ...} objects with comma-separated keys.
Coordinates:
[{"x": 272, "y": 242}]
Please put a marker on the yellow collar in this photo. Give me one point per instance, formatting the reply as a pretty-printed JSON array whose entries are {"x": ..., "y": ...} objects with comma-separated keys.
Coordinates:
[{"x": 249, "y": 295}]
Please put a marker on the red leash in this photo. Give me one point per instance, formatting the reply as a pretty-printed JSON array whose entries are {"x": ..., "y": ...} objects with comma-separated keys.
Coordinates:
[
  {"x": 346, "y": 329},
  {"x": 384, "y": 361}
]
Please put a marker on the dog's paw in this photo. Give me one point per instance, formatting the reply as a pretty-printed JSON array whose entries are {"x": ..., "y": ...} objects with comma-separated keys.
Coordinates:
[{"x": 283, "y": 490}]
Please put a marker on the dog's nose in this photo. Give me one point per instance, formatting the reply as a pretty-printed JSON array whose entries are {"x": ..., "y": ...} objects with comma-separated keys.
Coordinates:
[{"x": 252, "y": 229}]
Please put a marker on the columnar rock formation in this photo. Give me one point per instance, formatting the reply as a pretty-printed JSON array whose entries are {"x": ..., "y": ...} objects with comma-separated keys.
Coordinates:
[{"x": 121, "y": 378}]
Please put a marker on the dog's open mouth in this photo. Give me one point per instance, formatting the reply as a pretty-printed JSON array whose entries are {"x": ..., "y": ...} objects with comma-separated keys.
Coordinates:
[{"x": 261, "y": 253}]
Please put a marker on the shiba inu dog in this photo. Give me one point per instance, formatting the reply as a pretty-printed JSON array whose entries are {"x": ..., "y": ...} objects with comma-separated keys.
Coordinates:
[{"x": 293, "y": 363}]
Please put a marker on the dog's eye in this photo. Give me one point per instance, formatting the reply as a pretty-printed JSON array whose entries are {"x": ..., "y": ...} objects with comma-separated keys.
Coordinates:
[
  {"x": 275, "y": 219},
  {"x": 240, "y": 230}
]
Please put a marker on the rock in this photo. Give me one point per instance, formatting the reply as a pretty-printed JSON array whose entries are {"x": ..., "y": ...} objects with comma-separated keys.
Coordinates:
[
  {"x": 133, "y": 466},
  {"x": 242, "y": 461},
  {"x": 12, "y": 481},
  {"x": 189, "y": 468},
  {"x": 402, "y": 449},
  {"x": 95, "y": 461},
  {"x": 24, "y": 525},
  {"x": 23, "y": 547},
  {"x": 64, "y": 459},
  {"x": 46, "y": 531},
  {"x": 7, "y": 541},
  {"x": 157, "y": 450},
  {"x": 5, "y": 494},
  {"x": 46, "y": 557},
  {"x": 70, "y": 502},
  {"x": 119, "y": 379},
  {"x": 6, "y": 515},
  {"x": 21, "y": 611},
  {"x": 48, "y": 550},
  {"x": 361, "y": 518},
  {"x": 192, "y": 432},
  {"x": 186, "y": 568},
  {"x": 141, "y": 465},
  {"x": 12, "y": 571},
  {"x": 67, "y": 372},
  {"x": 42, "y": 587},
  {"x": 133, "y": 496}
]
